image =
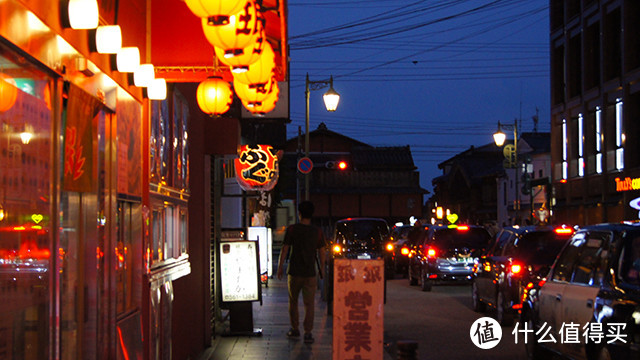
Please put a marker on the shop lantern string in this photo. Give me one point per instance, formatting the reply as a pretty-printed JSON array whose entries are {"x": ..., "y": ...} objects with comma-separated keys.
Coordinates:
[
  {"x": 216, "y": 11},
  {"x": 240, "y": 32}
]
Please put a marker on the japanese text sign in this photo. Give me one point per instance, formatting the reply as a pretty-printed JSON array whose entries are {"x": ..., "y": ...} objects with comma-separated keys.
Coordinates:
[
  {"x": 257, "y": 167},
  {"x": 358, "y": 305}
]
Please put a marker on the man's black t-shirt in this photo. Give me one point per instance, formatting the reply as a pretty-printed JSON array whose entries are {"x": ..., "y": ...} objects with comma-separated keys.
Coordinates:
[{"x": 303, "y": 240}]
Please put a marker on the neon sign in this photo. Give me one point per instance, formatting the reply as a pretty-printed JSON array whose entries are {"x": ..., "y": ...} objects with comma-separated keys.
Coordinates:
[{"x": 627, "y": 184}]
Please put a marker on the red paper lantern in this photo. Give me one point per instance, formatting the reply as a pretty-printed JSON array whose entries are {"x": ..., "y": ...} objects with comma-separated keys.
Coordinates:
[
  {"x": 260, "y": 71},
  {"x": 257, "y": 167},
  {"x": 241, "y": 30},
  {"x": 214, "y": 96},
  {"x": 8, "y": 92},
  {"x": 255, "y": 92},
  {"x": 239, "y": 61},
  {"x": 218, "y": 11}
]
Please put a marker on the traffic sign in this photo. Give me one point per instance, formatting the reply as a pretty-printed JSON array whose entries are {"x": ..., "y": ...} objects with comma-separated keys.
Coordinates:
[{"x": 305, "y": 165}]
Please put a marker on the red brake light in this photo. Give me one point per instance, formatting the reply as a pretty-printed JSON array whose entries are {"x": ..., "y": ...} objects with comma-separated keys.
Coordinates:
[
  {"x": 563, "y": 230},
  {"x": 463, "y": 228},
  {"x": 516, "y": 268},
  {"x": 431, "y": 253},
  {"x": 542, "y": 282}
]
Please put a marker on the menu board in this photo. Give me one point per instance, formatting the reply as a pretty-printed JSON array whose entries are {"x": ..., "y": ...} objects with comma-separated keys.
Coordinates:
[{"x": 239, "y": 271}]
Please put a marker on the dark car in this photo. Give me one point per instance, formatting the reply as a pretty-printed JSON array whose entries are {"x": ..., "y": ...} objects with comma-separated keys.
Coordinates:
[
  {"x": 592, "y": 289},
  {"x": 399, "y": 248},
  {"x": 357, "y": 238},
  {"x": 447, "y": 253},
  {"x": 519, "y": 256}
]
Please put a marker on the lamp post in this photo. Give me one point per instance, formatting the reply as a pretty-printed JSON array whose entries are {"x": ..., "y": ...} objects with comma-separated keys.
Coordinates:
[
  {"x": 331, "y": 99},
  {"x": 512, "y": 160}
]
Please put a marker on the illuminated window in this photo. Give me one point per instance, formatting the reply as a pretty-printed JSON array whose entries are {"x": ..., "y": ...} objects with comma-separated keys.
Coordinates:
[
  {"x": 565, "y": 166},
  {"x": 580, "y": 145},
  {"x": 599, "y": 140},
  {"x": 620, "y": 139}
]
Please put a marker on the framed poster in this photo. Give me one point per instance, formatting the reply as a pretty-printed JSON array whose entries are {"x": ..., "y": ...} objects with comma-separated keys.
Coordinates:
[{"x": 239, "y": 275}]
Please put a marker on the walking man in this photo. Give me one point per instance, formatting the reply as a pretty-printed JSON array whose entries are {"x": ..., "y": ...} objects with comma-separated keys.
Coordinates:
[{"x": 305, "y": 241}]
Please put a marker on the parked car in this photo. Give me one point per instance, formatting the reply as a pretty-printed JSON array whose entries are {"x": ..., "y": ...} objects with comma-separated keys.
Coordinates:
[
  {"x": 519, "y": 256},
  {"x": 593, "y": 287},
  {"x": 357, "y": 238},
  {"x": 447, "y": 253},
  {"x": 398, "y": 247}
]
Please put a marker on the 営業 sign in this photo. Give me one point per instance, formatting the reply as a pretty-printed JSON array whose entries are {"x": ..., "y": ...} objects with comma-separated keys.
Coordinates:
[{"x": 358, "y": 303}]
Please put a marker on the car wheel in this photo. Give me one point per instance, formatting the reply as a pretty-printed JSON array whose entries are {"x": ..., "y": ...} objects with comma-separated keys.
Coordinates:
[
  {"x": 505, "y": 317},
  {"x": 478, "y": 305},
  {"x": 412, "y": 280},
  {"x": 425, "y": 284},
  {"x": 533, "y": 349}
]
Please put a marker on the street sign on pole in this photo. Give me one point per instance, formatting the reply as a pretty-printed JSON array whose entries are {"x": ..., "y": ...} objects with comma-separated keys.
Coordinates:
[{"x": 305, "y": 165}]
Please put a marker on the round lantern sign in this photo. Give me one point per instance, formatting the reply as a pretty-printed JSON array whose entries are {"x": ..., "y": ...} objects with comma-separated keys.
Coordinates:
[
  {"x": 218, "y": 10},
  {"x": 257, "y": 167},
  {"x": 214, "y": 96},
  {"x": 264, "y": 106},
  {"x": 254, "y": 92},
  {"x": 261, "y": 70},
  {"x": 8, "y": 92}
]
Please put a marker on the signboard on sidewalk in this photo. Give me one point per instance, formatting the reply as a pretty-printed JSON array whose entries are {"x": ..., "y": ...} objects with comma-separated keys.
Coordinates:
[
  {"x": 239, "y": 274},
  {"x": 358, "y": 303}
]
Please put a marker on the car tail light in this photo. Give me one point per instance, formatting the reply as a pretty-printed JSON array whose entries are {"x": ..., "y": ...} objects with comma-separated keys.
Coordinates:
[
  {"x": 516, "y": 269},
  {"x": 337, "y": 249},
  {"x": 431, "y": 252},
  {"x": 563, "y": 230},
  {"x": 404, "y": 251},
  {"x": 389, "y": 247},
  {"x": 463, "y": 228},
  {"x": 542, "y": 282}
]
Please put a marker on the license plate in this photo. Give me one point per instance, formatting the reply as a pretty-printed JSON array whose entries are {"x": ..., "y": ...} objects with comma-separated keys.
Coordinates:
[{"x": 364, "y": 257}]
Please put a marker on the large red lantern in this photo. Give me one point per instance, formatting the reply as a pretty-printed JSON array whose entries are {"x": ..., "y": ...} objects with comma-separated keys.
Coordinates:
[
  {"x": 257, "y": 167},
  {"x": 241, "y": 31},
  {"x": 214, "y": 96},
  {"x": 8, "y": 92},
  {"x": 255, "y": 92},
  {"x": 239, "y": 61},
  {"x": 260, "y": 71},
  {"x": 218, "y": 11}
]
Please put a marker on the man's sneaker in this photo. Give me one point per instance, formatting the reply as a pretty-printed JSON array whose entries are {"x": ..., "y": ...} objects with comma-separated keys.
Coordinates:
[
  {"x": 308, "y": 338},
  {"x": 293, "y": 333}
]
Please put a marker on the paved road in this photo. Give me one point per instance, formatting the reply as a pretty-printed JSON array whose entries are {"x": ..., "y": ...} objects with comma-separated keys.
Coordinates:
[{"x": 440, "y": 321}]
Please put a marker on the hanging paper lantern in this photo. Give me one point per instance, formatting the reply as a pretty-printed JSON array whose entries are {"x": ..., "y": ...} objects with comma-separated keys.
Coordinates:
[
  {"x": 8, "y": 92},
  {"x": 241, "y": 31},
  {"x": 218, "y": 11},
  {"x": 214, "y": 96},
  {"x": 260, "y": 71},
  {"x": 239, "y": 61},
  {"x": 257, "y": 167},
  {"x": 255, "y": 92},
  {"x": 264, "y": 106}
]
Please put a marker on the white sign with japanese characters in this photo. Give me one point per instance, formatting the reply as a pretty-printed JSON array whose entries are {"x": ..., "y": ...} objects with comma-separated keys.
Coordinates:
[{"x": 239, "y": 271}]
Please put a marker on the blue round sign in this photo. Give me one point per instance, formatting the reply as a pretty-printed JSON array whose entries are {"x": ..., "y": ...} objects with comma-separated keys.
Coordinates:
[{"x": 305, "y": 165}]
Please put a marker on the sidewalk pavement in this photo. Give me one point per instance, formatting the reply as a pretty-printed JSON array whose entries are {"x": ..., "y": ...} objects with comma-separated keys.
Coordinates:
[{"x": 273, "y": 318}]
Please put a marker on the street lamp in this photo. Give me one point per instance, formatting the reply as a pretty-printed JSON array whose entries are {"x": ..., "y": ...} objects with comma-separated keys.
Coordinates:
[
  {"x": 511, "y": 160},
  {"x": 331, "y": 99}
]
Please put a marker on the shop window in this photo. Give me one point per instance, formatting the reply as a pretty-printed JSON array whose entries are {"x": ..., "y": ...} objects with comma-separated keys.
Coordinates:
[
  {"x": 620, "y": 136},
  {"x": 574, "y": 66},
  {"x": 26, "y": 241},
  {"x": 592, "y": 56},
  {"x": 557, "y": 75},
  {"x": 609, "y": 138},
  {"x": 169, "y": 232},
  {"x": 565, "y": 150},
  {"x": 599, "y": 138},
  {"x": 632, "y": 34}
]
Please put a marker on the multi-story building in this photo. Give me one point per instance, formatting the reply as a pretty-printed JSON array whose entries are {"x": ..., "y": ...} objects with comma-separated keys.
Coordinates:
[{"x": 595, "y": 102}]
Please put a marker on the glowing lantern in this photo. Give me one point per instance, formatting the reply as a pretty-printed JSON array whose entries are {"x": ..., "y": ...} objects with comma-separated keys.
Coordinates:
[
  {"x": 260, "y": 71},
  {"x": 83, "y": 14},
  {"x": 264, "y": 106},
  {"x": 257, "y": 167},
  {"x": 217, "y": 10},
  {"x": 8, "y": 92},
  {"x": 241, "y": 31},
  {"x": 239, "y": 61},
  {"x": 255, "y": 92},
  {"x": 214, "y": 96}
]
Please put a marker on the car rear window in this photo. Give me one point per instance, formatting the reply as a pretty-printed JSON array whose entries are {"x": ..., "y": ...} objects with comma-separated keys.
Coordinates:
[
  {"x": 371, "y": 232},
  {"x": 630, "y": 267},
  {"x": 473, "y": 238},
  {"x": 537, "y": 248}
]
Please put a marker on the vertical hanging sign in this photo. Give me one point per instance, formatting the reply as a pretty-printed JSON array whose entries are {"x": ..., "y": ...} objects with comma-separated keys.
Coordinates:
[
  {"x": 80, "y": 141},
  {"x": 358, "y": 305}
]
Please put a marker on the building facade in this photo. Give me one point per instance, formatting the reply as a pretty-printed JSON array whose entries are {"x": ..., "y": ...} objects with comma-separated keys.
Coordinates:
[{"x": 595, "y": 100}]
